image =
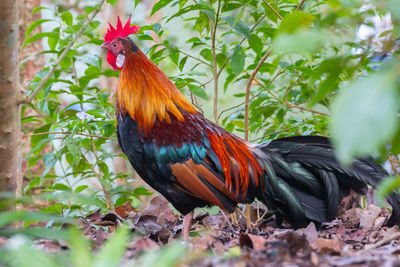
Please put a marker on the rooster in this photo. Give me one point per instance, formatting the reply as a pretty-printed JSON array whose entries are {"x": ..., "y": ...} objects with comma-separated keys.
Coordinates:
[{"x": 193, "y": 162}]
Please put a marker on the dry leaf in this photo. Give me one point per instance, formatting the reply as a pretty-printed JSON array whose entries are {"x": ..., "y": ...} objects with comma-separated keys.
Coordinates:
[
  {"x": 124, "y": 210},
  {"x": 327, "y": 245},
  {"x": 310, "y": 232},
  {"x": 252, "y": 241},
  {"x": 368, "y": 217},
  {"x": 143, "y": 244},
  {"x": 159, "y": 207}
]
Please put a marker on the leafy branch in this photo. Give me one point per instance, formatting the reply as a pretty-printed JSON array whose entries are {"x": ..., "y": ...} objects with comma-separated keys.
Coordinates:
[
  {"x": 72, "y": 133},
  {"x": 256, "y": 95},
  {"x": 273, "y": 10},
  {"x": 68, "y": 47}
]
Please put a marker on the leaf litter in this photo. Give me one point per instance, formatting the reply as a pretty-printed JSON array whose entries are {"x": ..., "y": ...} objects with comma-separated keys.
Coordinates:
[{"x": 357, "y": 237}]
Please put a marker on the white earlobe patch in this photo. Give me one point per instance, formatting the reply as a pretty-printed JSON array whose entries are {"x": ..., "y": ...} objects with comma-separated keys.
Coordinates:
[{"x": 120, "y": 60}]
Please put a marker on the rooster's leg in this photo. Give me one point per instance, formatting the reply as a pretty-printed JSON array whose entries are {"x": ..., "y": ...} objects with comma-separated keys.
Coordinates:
[{"x": 187, "y": 221}]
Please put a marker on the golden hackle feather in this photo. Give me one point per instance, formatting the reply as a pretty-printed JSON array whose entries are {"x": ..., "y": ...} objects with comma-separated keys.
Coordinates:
[{"x": 146, "y": 93}]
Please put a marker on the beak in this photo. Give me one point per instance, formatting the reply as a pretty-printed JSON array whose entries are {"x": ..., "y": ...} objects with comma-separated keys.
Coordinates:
[{"x": 104, "y": 46}]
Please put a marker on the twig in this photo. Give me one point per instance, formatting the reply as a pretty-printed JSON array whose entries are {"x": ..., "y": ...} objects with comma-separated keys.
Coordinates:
[
  {"x": 273, "y": 10},
  {"x": 279, "y": 131},
  {"x": 69, "y": 133},
  {"x": 215, "y": 66},
  {"x": 241, "y": 42},
  {"x": 107, "y": 197},
  {"x": 393, "y": 165},
  {"x": 77, "y": 82},
  {"x": 62, "y": 56},
  {"x": 247, "y": 98},
  {"x": 196, "y": 58},
  {"x": 380, "y": 243},
  {"x": 300, "y": 5},
  {"x": 41, "y": 114},
  {"x": 259, "y": 93},
  {"x": 290, "y": 105}
]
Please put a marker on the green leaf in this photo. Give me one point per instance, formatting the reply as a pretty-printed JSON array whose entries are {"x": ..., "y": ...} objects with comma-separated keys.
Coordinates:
[
  {"x": 112, "y": 252},
  {"x": 67, "y": 17},
  {"x": 182, "y": 63},
  {"x": 81, "y": 188},
  {"x": 364, "y": 115},
  {"x": 302, "y": 42},
  {"x": 294, "y": 21},
  {"x": 168, "y": 256},
  {"x": 137, "y": 2},
  {"x": 206, "y": 54},
  {"x": 198, "y": 91},
  {"x": 52, "y": 43},
  {"x": 61, "y": 187},
  {"x": 112, "y": 2},
  {"x": 188, "y": 9},
  {"x": 387, "y": 186},
  {"x": 80, "y": 253},
  {"x": 221, "y": 59},
  {"x": 38, "y": 8},
  {"x": 34, "y": 25},
  {"x": 141, "y": 191},
  {"x": 239, "y": 27},
  {"x": 174, "y": 56},
  {"x": 256, "y": 44},
  {"x": 237, "y": 60},
  {"x": 39, "y": 36},
  {"x": 160, "y": 4}
]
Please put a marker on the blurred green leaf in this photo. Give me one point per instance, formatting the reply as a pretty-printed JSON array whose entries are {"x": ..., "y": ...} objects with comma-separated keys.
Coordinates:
[
  {"x": 364, "y": 115},
  {"x": 67, "y": 17},
  {"x": 167, "y": 256},
  {"x": 112, "y": 253},
  {"x": 239, "y": 27},
  {"x": 387, "y": 186}
]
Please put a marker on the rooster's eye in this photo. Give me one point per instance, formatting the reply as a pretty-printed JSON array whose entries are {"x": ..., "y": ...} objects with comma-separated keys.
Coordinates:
[{"x": 114, "y": 45}]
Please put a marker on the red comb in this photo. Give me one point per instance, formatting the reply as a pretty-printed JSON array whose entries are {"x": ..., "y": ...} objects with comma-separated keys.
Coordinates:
[{"x": 120, "y": 31}]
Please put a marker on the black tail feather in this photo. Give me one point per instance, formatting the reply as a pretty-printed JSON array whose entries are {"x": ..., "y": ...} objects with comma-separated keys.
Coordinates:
[{"x": 303, "y": 173}]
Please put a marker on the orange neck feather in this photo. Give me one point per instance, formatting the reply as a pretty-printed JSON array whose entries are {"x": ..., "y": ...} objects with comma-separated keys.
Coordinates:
[{"x": 146, "y": 93}]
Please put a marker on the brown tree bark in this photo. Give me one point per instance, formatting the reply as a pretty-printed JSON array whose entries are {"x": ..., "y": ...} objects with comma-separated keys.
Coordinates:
[
  {"x": 27, "y": 72},
  {"x": 9, "y": 96}
]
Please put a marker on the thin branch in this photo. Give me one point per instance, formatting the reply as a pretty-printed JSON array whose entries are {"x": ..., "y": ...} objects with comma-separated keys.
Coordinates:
[
  {"x": 41, "y": 114},
  {"x": 100, "y": 178},
  {"x": 215, "y": 66},
  {"x": 273, "y": 10},
  {"x": 290, "y": 105},
  {"x": 379, "y": 243},
  {"x": 69, "y": 133},
  {"x": 247, "y": 99},
  {"x": 279, "y": 131},
  {"x": 265, "y": 88},
  {"x": 393, "y": 165},
  {"x": 63, "y": 55},
  {"x": 196, "y": 58},
  {"x": 300, "y": 5}
]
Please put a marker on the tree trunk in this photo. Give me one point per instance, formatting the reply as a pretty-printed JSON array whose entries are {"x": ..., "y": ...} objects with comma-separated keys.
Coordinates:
[{"x": 9, "y": 96}]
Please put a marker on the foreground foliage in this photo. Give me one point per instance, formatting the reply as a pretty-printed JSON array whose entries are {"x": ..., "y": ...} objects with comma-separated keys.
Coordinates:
[{"x": 270, "y": 68}]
